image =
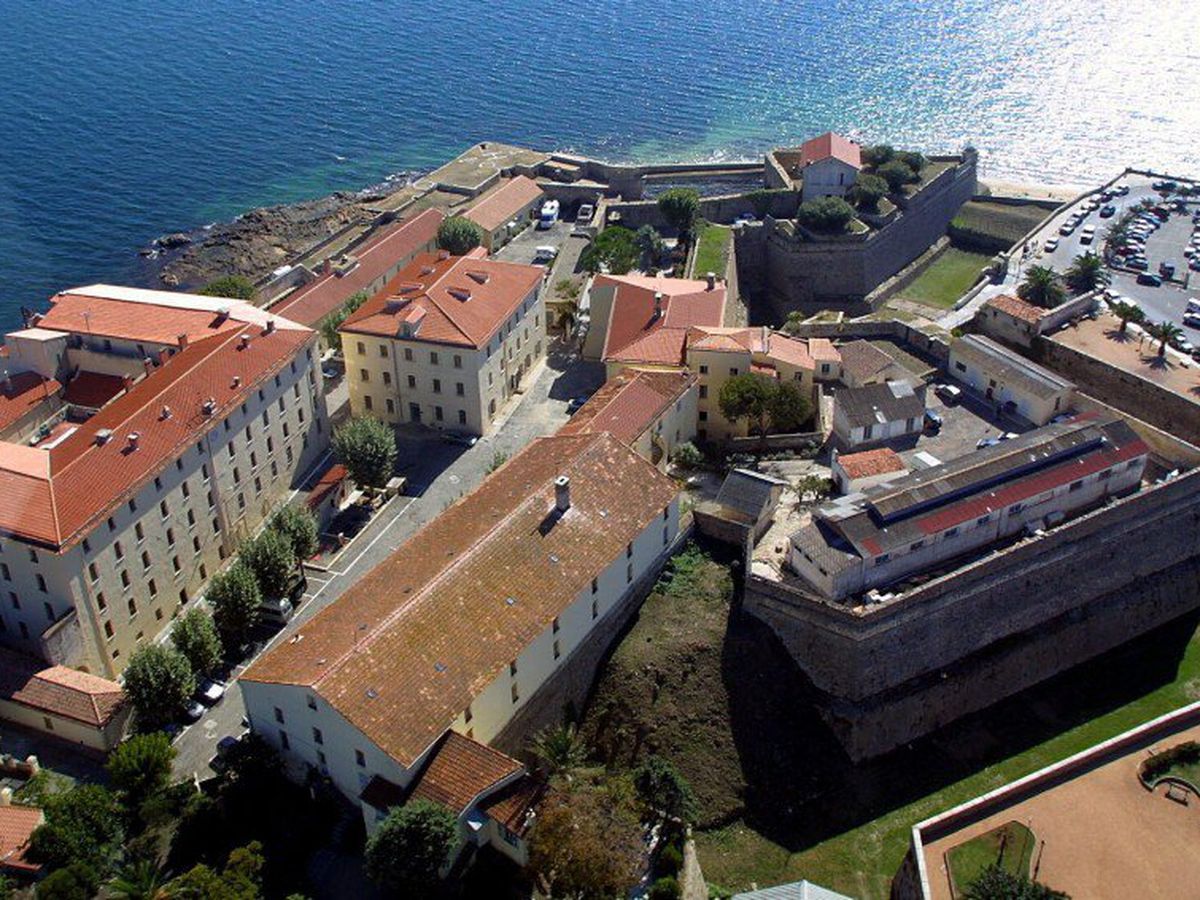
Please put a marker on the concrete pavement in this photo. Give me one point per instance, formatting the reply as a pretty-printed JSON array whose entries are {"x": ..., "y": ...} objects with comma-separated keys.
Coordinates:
[{"x": 438, "y": 473}]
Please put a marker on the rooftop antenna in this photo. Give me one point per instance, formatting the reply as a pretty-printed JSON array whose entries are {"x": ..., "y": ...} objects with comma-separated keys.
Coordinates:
[{"x": 361, "y": 628}]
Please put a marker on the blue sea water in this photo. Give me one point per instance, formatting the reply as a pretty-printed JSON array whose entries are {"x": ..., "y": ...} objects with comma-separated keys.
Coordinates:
[{"x": 122, "y": 121}]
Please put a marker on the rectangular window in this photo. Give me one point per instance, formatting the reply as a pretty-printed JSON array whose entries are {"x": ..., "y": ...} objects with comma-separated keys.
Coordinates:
[
  {"x": 101, "y": 604},
  {"x": 364, "y": 375},
  {"x": 629, "y": 574},
  {"x": 459, "y": 389},
  {"x": 1075, "y": 486},
  {"x": 512, "y": 669},
  {"x": 433, "y": 357},
  {"x": 704, "y": 392},
  {"x": 360, "y": 759},
  {"x": 93, "y": 572},
  {"x": 516, "y": 694},
  {"x": 457, "y": 361},
  {"x": 595, "y": 610},
  {"x": 412, "y": 381},
  {"x": 438, "y": 413},
  {"x": 124, "y": 578},
  {"x": 318, "y": 738},
  {"x": 437, "y": 385},
  {"x": 408, "y": 354},
  {"x": 311, "y": 701},
  {"x": 595, "y": 585},
  {"x": 557, "y": 650},
  {"x": 141, "y": 535},
  {"x": 629, "y": 550},
  {"x": 383, "y": 350}
]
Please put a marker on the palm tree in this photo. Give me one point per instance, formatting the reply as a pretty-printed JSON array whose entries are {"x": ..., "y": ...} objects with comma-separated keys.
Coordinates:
[
  {"x": 1127, "y": 312},
  {"x": 1164, "y": 333},
  {"x": 1087, "y": 273},
  {"x": 559, "y": 748},
  {"x": 1041, "y": 287},
  {"x": 650, "y": 245},
  {"x": 142, "y": 880}
]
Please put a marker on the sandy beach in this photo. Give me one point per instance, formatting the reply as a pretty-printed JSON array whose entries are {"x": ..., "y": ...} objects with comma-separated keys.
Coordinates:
[{"x": 1033, "y": 191}]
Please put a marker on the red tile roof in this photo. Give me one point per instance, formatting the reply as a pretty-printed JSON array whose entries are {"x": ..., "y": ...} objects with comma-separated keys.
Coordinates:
[
  {"x": 823, "y": 350},
  {"x": 830, "y": 144},
  {"x": 396, "y": 246},
  {"x": 1017, "y": 308},
  {"x": 790, "y": 350},
  {"x": 328, "y": 483},
  {"x": 629, "y": 403},
  {"x": 513, "y": 805},
  {"x": 503, "y": 202},
  {"x": 871, "y": 462},
  {"x": 636, "y": 334},
  {"x": 17, "y": 823},
  {"x": 93, "y": 389},
  {"x": 460, "y": 770},
  {"x": 457, "y": 300},
  {"x": 56, "y": 496},
  {"x": 81, "y": 312},
  {"x": 56, "y": 689},
  {"x": 449, "y": 609},
  {"x": 21, "y": 393}
]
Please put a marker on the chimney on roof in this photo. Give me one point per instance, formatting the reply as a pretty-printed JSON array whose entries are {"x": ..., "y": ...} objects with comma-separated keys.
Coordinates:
[
  {"x": 327, "y": 266},
  {"x": 35, "y": 320},
  {"x": 182, "y": 339},
  {"x": 147, "y": 364},
  {"x": 209, "y": 406},
  {"x": 166, "y": 412},
  {"x": 243, "y": 342},
  {"x": 712, "y": 279},
  {"x": 134, "y": 437},
  {"x": 103, "y": 436},
  {"x": 163, "y": 355},
  {"x": 237, "y": 381},
  {"x": 269, "y": 328},
  {"x": 443, "y": 254},
  {"x": 222, "y": 314},
  {"x": 658, "y": 304},
  {"x": 426, "y": 270},
  {"x": 562, "y": 493}
]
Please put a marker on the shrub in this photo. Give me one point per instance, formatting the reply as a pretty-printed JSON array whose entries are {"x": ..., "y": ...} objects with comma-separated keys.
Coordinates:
[
  {"x": 159, "y": 681},
  {"x": 663, "y": 789},
  {"x": 897, "y": 174},
  {"x": 367, "y": 448},
  {"x": 299, "y": 526},
  {"x": 665, "y": 889},
  {"x": 459, "y": 235},
  {"x": 868, "y": 190},
  {"x": 914, "y": 160},
  {"x": 688, "y": 456},
  {"x": 235, "y": 287},
  {"x": 410, "y": 847},
  {"x": 877, "y": 154},
  {"x": 827, "y": 215},
  {"x": 681, "y": 208},
  {"x": 670, "y": 861},
  {"x": 195, "y": 636}
]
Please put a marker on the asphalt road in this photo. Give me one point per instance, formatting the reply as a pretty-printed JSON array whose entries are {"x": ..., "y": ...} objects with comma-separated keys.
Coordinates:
[{"x": 438, "y": 473}]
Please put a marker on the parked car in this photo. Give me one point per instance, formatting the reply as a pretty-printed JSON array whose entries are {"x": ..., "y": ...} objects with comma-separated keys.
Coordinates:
[
  {"x": 1193, "y": 305},
  {"x": 987, "y": 442},
  {"x": 457, "y": 437},
  {"x": 1140, "y": 263},
  {"x": 1051, "y": 245},
  {"x": 275, "y": 611},
  {"x": 1068, "y": 228},
  {"x": 1166, "y": 268},
  {"x": 1088, "y": 234},
  {"x": 1122, "y": 190},
  {"x": 745, "y": 218},
  {"x": 584, "y": 216},
  {"x": 1108, "y": 211},
  {"x": 220, "y": 760},
  {"x": 193, "y": 711},
  {"x": 1149, "y": 280},
  {"x": 948, "y": 392},
  {"x": 1183, "y": 345},
  {"x": 1008, "y": 436},
  {"x": 544, "y": 254},
  {"x": 210, "y": 691}
]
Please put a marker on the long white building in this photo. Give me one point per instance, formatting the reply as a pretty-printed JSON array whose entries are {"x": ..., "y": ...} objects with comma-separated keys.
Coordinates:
[
  {"x": 143, "y": 436},
  {"x": 458, "y": 630}
]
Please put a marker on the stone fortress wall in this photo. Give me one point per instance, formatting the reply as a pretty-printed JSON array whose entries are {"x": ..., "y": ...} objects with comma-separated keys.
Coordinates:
[{"x": 890, "y": 673}]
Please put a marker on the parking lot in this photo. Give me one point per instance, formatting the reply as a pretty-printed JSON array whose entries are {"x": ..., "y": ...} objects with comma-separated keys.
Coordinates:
[
  {"x": 1167, "y": 243},
  {"x": 965, "y": 422},
  {"x": 523, "y": 247}
]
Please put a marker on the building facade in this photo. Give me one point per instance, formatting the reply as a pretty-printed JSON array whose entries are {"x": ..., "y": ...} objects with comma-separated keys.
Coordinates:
[
  {"x": 877, "y": 412},
  {"x": 203, "y": 414},
  {"x": 1011, "y": 383},
  {"x": 506, "y": 210},
  {"x": 446, "y": 343}
]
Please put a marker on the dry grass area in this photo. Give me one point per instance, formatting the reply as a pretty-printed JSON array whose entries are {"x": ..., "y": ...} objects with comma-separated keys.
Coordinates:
[{"x": 1003, "y": 221}]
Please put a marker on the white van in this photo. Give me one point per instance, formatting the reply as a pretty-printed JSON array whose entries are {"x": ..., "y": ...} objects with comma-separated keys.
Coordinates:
[
  {"x": 544, "y": 254},
  {"x": 549, "y": 214}
]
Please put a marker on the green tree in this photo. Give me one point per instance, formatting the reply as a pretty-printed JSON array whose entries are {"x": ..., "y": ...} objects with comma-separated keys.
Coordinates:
[
  {"x": 997, "y": 883},
  {"x": 559, "y": 748},
  {"x": 299, "y": 526},
  {"x": 138, "y": 880},
  {"x": 681, "y": 208},
  {"x": 1041, "y": 287},
  {"x": 82, "y": 826},
  {"x": 826, "y": 215},
  {"x": 664, "y": 789},
  {"x": 914, "y": 160},
  {"x": 78, "y": 881},
  {"x": 367, "y": 448},
  {"x": 1127, "y": 312},
  {"x": 241, "y": 878},
  {"x": 410, "y": 847},
  {"x": 159, "y": 681},
  {"x": 329, "y": 325},
  {"x": 235, "y": 287},
  {"x": 235, "y": 598},
  {"x": 459, "y": 235},
  {"x": 877, "y": 154},
  {"x": 1165, "y": 333},
  {"x": 897, "y": 174},
  {"x": 1087, "y": 273},
  {"x": 747, "y": 397},
  {"x": 650, "y": 245},
  {"x": 867, "y": 191},
  {"x": 688, "y": 456},
  {"x": 140, "y": 767},
  {"x": 499, "y": 458},
  {"x": 195, "y": 636},
  {"x": 788, "y": 408},
  {"x": 270, "y": 557},
  {"x": 666, "y": 888},
  {"x": 614, "y": 250}
]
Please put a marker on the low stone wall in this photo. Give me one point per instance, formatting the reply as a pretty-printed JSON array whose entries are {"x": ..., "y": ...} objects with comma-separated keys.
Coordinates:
[
  {"x": 571, "y": 685},
  {"x": 996, "y": 626},
  {"x": 1126, "y": 391},
  {"x": 931, "y": 343},
  {"x": 722, "y": 209}
]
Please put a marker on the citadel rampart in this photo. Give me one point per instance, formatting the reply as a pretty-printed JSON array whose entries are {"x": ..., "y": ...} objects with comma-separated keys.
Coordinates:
[
  {"x": 794, "y": 273},
  {"x": 898, "y": 670}
]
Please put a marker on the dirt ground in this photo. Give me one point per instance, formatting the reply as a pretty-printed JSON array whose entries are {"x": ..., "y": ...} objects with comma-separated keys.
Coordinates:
[
  {"x": 1133, "y": 353},
  {"x": 1101, "y": 834}
]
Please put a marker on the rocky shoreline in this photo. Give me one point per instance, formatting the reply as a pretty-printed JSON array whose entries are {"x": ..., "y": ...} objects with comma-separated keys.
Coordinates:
[{"x": 260, "y": 240}]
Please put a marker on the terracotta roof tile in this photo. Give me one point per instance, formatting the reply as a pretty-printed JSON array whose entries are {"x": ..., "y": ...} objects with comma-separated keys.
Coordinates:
[
  {"x": 503, "y": 202},
  {"x": 311, "y": 303},
  {"x": 79, "y": 312},
  {"x": 1017, "y": 308},
  {"x": 57, "y": 689},
  {"x": 823, "y": 350},
  {"x": 22, "y": 393},
  {"x": 871, "y": 462},
  {"x": 440, "y": 627},
  {"x": 636, "y": 334},
  {"x": 830, "y": 144},
  {"x": 792, "y": 351},
  {"x": 629, "y": 403},
  {"x": 328, "y": 483},
  {"x": 457, "y": 300},
  {"x": 93, "y": 389},
  {"x": 17, "y": 823},
  {"x": 460, "y": 770},
  {"x": 863, "y": 361},
  {"x": 513, "y": 805}
]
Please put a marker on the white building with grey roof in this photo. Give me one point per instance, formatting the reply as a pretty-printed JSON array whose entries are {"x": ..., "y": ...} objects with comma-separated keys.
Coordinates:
[
  {"x": 877, "y": 412},
  {"x": 1014, "y": 384}
]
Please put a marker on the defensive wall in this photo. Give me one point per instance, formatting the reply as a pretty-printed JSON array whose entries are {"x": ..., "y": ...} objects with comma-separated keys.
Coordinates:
[
  {"x": 894, "y": 671},
  {"x": 795, "y": 270}
]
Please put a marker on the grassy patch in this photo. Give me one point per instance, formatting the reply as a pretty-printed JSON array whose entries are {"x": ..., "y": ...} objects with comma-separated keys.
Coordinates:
[
  {"x": 712, "y": 250},
  {"x": 1010, "y": 846},
  {"x": 946, "y": 279},
  {"x": 1004, "y": 222}
]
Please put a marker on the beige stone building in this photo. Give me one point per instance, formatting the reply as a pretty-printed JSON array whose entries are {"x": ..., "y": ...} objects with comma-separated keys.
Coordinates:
[
  {"x": 506, "y": 210},
  {"x": 181, "y": 422},
  {"x": 1010, "y": 383},
  {"x": 446, "y": 342}
]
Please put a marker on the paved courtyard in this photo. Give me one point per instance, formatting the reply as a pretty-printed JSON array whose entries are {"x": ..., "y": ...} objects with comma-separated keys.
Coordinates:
[
  {"x": 1133, "y": 352},
  {"x": 1099, "y": 833}
]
